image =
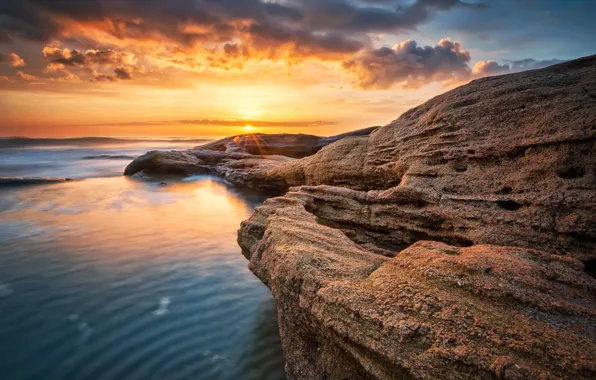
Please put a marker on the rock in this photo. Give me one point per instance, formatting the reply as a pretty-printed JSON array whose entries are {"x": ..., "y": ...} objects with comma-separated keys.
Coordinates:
[
  {"x": 510, "y": 157},
  {"x": 243, "y": 161},
  {"x": 431, "y": 311},
  {"x": 457, "y": 242},
  {"x": 289, "y": 145},
  {"x": 158, "y": 163}
]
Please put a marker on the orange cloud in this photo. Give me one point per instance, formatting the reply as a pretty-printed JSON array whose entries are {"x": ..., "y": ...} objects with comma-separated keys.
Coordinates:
[
  {"x": 12, "y": 60},
  {"x": 27, "y": 77}
]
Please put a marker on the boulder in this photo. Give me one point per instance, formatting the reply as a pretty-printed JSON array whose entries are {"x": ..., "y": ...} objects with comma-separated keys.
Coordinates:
[{"x": 172, "y": 163}]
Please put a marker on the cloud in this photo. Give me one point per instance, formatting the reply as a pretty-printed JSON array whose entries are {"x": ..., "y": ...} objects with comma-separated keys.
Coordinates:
[
  {"x": 532, "y": 64},
  {"x": 98, "y": 65},
  {"x": 410, "y": 65},
  {"x": 299, "y": 28},
  {"x": 27, "y": 77},
  {"x": 73, "y": 57},
  {"x": 206, "y": 36},
  {"x": 11, "y": 59},
  {"x": 124, "y": 73},
  {"x": 482, "y": 68},
  {"x": 485, "y": 68}
]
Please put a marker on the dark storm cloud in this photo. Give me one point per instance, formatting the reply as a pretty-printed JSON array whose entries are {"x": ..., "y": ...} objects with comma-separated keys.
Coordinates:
[
  {"x": 410, "y": 65},
  {"x": 224, "y": 34},
  {"x": 123, "y": 73},
  {"x": 74, "y": 57},
  {"x": 372, "y": 16},
  {"x": 328, "y": 25},
  {"x": 93, "y": 65},
  {"x": 120, "y": 73}
]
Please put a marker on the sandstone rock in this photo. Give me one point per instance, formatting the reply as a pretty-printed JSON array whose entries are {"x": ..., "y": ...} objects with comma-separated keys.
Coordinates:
[
  {"x": 511, "y": 157},
  {"x": 457, "y": 242},
  {"x": 432, "y": 311}
]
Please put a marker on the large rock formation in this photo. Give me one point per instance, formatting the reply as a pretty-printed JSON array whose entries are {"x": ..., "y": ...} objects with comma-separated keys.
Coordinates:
[
  {"x": 457, "y": 242},
  {"x": 289, "y": 145},
  {"x": 243, "y": 161}
]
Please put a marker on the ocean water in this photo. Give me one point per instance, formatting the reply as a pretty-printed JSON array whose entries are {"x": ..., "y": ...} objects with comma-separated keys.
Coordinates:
[{"x": 106, "y": 277}]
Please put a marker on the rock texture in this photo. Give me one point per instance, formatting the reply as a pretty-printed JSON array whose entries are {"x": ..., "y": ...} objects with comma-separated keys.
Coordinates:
[
  {"x": 506, "y": 160},
  {"x": 457, "y": 242},
  {"x": 431, "y": 311}
]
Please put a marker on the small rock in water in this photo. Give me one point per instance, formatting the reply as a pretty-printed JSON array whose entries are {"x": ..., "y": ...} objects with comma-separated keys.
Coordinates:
[{"x": 163, "y": 184}]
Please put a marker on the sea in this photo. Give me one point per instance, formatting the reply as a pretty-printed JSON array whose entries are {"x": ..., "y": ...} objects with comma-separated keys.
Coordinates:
[{"x": 114, "y": 278}]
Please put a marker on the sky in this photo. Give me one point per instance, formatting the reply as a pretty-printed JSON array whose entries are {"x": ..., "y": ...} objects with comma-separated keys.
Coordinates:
[{"x": 71, "y": 68}]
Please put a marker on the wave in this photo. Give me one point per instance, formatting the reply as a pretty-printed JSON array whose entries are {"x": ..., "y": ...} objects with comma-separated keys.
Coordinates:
[
  {"x": 24, "y": 142},
  {"x": 25, "y": 181},
  {"x": 110, "y": 157}
]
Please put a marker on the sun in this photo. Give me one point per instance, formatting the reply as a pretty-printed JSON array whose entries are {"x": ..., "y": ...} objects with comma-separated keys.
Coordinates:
[{"x": 248, "y": 128}]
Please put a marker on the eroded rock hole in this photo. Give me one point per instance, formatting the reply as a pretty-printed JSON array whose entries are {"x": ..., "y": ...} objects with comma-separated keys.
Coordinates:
[
  {"x": 590, "y": 268},
  {"x": 571, "y": 172},
  {"x": 509, "y": 205},
  {"x": 460, "y": 167}
]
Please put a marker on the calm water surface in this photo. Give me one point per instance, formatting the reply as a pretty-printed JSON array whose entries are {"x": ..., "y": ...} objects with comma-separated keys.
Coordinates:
[{"x": 113, "y": 278}]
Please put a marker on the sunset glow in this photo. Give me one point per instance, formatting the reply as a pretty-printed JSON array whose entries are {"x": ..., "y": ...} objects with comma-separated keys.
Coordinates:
[{"x": 196, "y": 68}]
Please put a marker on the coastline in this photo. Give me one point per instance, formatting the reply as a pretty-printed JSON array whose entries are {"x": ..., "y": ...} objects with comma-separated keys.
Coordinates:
[{"x": 456, "y": 242}]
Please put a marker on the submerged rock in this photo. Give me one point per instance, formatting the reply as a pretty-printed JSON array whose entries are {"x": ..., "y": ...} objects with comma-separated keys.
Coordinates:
[{"x": 458, "y": 242}]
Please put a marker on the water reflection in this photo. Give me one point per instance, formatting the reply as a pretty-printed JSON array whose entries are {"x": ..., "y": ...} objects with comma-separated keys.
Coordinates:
[{"x": 112, "y": 278}]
